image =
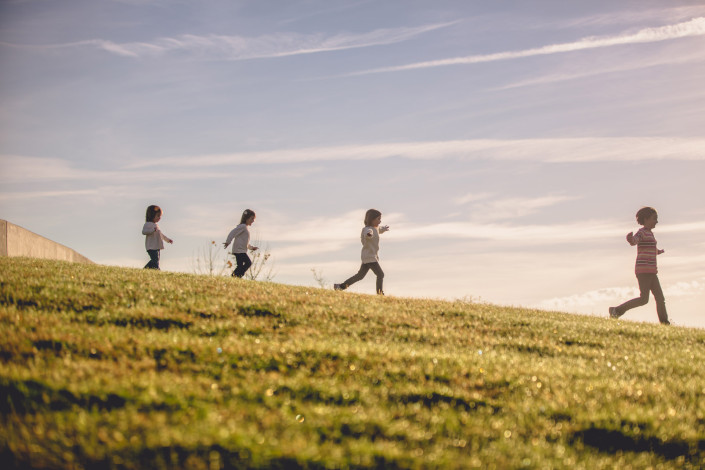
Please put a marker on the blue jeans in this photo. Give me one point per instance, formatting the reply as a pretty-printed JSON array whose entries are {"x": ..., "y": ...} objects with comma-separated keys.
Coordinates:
[
  {"x": 375, "y": 267},
  {"x": 243, "y": 263},
  {"x": 153, "y": 260}
]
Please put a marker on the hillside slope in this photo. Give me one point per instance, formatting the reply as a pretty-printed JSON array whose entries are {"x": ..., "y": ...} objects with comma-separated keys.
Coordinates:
[{"x": 122, "y": 368}]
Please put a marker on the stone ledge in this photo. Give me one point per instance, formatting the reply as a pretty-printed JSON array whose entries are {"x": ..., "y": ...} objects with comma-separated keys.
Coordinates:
[{"x": 17, "y": 241}]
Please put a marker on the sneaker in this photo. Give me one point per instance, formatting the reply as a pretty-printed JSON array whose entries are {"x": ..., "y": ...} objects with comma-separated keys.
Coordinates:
[
  {"x": 338, "y": 287},
  {"x": 613, "y": 312},
  {"x": 380, "y": 292}
]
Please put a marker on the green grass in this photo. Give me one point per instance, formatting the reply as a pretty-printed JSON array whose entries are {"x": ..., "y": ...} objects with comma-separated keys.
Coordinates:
[{"x": 121, "y": 368}]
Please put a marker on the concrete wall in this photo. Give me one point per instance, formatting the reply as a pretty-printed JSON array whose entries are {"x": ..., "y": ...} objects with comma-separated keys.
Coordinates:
[{"x": 16, "y": 241}]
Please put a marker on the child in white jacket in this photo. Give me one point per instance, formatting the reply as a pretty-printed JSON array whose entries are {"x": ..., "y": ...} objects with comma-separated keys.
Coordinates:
[
  {"x": 154, "y": 239},
  {"x": 370, "y": 247},
  {"x": 241, "y": 235}
]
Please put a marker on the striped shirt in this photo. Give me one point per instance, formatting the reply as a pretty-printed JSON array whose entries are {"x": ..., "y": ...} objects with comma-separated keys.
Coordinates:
[{"x": 646, "y": 252}]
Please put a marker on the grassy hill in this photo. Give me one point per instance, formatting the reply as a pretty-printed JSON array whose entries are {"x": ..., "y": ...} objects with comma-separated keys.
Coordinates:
[{"x": 121, "y": 368}]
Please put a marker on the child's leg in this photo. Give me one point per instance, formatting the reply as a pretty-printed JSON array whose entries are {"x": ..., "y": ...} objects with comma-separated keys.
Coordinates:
[
  {"x": 357, "y": 277},
  {"x": 153, "y": 259},
  {"x": 645, "y": 281},
  {"x": 243, "y": 263},
  {"x": 660, "y": 301},
  {"x": 377, "y": 269},
  {"x": 246, "y": 263}
]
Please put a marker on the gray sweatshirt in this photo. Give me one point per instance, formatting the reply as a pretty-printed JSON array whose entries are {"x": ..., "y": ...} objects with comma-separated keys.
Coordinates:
[
  {"x": 370, "y": 243},
  {"x": 154, "y": 239},
  {"x": 241, "y": 234}
]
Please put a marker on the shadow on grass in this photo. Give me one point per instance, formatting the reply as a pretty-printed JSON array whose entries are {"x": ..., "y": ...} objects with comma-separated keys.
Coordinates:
[
  {"x": 613, "y": 441},
  {"x": 31, "y": 396},
  {"x": 184, "y": 457},
  {"x": 258, "y": 311}
]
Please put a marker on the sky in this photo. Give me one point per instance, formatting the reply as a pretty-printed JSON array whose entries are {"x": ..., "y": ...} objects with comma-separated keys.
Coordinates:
[{"x": 508, "y": 144}]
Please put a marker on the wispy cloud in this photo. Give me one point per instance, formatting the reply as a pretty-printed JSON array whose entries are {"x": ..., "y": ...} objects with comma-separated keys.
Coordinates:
[
  {"x": 222, "y": 47},
  {"x": 24, "y": 169},
  {"x": 632, "y": 16},
  {"x": 634, "y": 63},
  {"x": 511, "y": 208},
  {"x": 23, "y": 195},
  {"x": 19, "y": 168},
  {"x": 472, "y": 197},
  {"x": 694, "y": 27},
  {"x": 540, "y": 150}
]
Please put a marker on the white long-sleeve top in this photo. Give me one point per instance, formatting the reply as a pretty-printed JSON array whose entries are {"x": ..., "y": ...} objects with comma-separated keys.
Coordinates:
[
  {"x": 154, "y": 239},
  {"x": 241, "y": 235},
  {"x": 370, "y": 243}
]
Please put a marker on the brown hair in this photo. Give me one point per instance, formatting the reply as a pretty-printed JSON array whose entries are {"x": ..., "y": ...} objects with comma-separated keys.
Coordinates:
[
  {"x": 246, "y": 215},
  {"x": 644, "y": 213},
  {"x": 371, "y": 215},
  {"x": 152, "y": 213}
]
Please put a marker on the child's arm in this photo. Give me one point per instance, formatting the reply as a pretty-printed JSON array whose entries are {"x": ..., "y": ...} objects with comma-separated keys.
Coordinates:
[
  {"x": 635, "y": 239},
  {"x": 630, "y": 238},
  {"x": 233, "y": 233},
  {"x": 165, "y": 238},
  {"x": 149, "y": 228}
]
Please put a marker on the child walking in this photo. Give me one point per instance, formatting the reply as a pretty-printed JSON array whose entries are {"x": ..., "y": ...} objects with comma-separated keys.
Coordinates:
[
  {"x": 646, "y": 270},
  {"x": 241, "y": 235},
  {"x": 154, "y": 238},
  {"x": 370, "y": 247}
]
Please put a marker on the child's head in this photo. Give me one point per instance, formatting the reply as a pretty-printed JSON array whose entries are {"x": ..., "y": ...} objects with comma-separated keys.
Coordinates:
[
  {"x": 247, "y": 215},
  {"x": 644, "y": 213},
  {"x": 371, "y": 215},
  {"x": 153, "y": 213}
]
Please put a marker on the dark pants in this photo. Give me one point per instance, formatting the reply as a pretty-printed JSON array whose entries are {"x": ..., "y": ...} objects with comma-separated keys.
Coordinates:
[
  {"x": 153, "y": 260},
  {"x": 375, "y": 267},
  {"x": 647, "y": 283},
  {"x": 243, "y": 263}
]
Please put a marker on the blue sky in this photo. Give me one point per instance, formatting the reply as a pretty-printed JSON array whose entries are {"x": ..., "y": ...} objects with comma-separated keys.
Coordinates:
[{"x": 507, "y": 144}]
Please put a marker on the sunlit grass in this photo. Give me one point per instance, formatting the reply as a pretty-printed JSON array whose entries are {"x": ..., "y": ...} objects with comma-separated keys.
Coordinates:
[{"x": 129, "y": 368}]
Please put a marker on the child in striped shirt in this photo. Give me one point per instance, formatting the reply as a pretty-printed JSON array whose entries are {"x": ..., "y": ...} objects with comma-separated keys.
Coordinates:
[{"x": 645, "y": 269}]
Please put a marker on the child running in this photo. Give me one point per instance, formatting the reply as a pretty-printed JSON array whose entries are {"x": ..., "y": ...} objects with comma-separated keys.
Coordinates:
[
  {"x": 370, "y": 247},
  {"x": 241, "y": 235},
  {"x": 646, "y": 270},
  {"x": 154, "y": 239}
]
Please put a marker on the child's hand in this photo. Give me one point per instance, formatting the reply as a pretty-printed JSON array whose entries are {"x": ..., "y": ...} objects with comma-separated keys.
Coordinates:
[
  {"x": 254, "y": 248},
  {"x": 225, "y": 245},
  {"x": 660, "y": 252},
  {"x": 384, "y": 228},
  {"x": 170, "y": 241},
  {"x": 630, "y": 238}
]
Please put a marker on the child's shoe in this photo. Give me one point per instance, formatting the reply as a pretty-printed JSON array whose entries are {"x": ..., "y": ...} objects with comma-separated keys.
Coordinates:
[
  {"x": 338, "y": 287},
  {"x": 614, "y": 313}
]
